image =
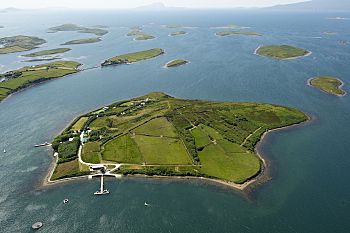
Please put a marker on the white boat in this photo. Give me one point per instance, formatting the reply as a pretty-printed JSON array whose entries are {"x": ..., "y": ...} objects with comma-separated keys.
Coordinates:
[
  {"x": 102, "y": 191},
  {"x": 65, "y": 201},
  {"x": 146, "y": 204},
  {"x": 4, "y": 151}
]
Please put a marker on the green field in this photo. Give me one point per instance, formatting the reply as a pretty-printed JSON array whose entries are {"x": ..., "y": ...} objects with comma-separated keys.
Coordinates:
[
  {"x": 328, "y": 84},
  {"x": 244, "y": 33},
  {"x": 178, "y": 33},
  {"x": 177, "y": 62},
  {"x": 91, "y": 152},
  {"x": 47, "y": 52},
  {"x": 68, "y": 169},
  {"x": 98, "y": 31},
  {"x": 83, "y": 41},
  {"x": 79, "y": 124},
  {"x": 29, "y": 75},
  {"x": 20, "y": 43},
  {"x": 157, "y": 134},
  {"x": 133, "y": 57},
  {"x": 281, "y": 52}
]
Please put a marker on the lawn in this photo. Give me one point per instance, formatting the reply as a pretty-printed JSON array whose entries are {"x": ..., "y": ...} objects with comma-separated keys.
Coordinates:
[
  {"x": 68, "y": 169},
  {"x": 157, "y": 150},
  {"x": 122, "y": 149}
]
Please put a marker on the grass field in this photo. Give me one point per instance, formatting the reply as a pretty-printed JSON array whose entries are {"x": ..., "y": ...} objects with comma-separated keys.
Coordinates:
[
  {"x": 20, "y": 43},
  {"x": 122, "y": 149},
  {"x": 19, "y": 79},
  {"x": 244, "y": 33},
  {"x": 90, "y": 153},
  {"x": 79, "y": 124},
  {"x": 98, "y": 31},
  {"x": 68, "y": 169},
  {"x": 134, "y": 57},
  {"x": 184, "y": 137},
  {"x": 47, "y": 52},
  {"x": 157, "y": 150},
  {"x": 83, "y": 41},
  {"x": 328, "y": 84},
  {"x": 175, "y": 63},
  {"x": 281, "y": 52}
]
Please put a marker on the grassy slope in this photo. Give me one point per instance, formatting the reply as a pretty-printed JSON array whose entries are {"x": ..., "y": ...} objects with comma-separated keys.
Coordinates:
[
  {"x": 47, "y": 52},
  {"x": 30, "y": 75},
  {"x": 281, "y": 51},
  {"x": 328, "y": 84},
  {"x": 134, "y": 57},
  {"x": 212, "y": 139}
]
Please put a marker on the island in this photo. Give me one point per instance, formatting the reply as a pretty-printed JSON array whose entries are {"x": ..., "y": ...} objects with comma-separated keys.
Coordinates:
[
  {"x": 178, "y": 33},
  {"x": 281, "y": 52},
  {"x": 47, "y": 52},
  {"x": 42, "y": 59},
  {"x": 329, "y": 33},
  {"x": 245, "y": 33},
  {"x": 159, "y": 135},
  {"x": 133, "y": 57},
  {"x": 328, "y": 84},
  {"x": 98, "y": 31},
  {"x": 13, "y": 81},
  {"x": 14, "y": 44},
  {"x": 175, "y": 63},
  {"x": 83, "y": 41},
  {"x": 138, "y": 34}
]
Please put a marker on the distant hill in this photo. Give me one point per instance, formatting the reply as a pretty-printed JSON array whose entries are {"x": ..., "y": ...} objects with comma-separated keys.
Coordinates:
[
  {"x": 315, "y": 5},
  {"x": 10, "y": 9},
  {"x": 157, "y": 6}
]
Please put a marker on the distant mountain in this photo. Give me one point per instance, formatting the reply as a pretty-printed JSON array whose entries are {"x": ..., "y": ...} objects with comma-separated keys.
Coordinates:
[
  {"x": 10, "y": 9},
  {"x": 315, "y": 5},
  {"x": 157, "y": 6}
]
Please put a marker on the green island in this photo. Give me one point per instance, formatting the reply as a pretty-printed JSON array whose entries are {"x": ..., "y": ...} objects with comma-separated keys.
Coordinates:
[
  {"x": 178, "y": 33},
  {"x": 14, "y": 44},
  {"x": 133, "y": 57},
  {"x": 173, "y": 26},
  {"x": 16, "y": 80},
  {"x": 138, "y": 34},
  {"x": 175, "y": 63},
  {"x": 281, "y": 52},
  {"x": 82, "y": 41},
  {"x": 245, "y": 33},
  {"x": 328, "y": 84},
  {"x": 159, "y": 135},
  {"x": 42, "y": 59},
  {"x": 75, "y": 28},
  {"x": 47, "y": 52}
]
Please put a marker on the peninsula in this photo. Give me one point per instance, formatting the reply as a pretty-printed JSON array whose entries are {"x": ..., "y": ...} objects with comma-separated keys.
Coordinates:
[
  {"x": 159, "y": 135},
  {"x": 83, "y": 41},
  {"x": 328, "y": 84},
  {"x": 98, "y": 31},
  {"x": 177, "y": 62},
  {"x": 47, "y": 52},
  {"x": 281, "y": 52},
  {"x": 244, "y": 33},
  {"x": 16, "y": 80},
  {"x": 133, "y": 57},
  {"x": 14, "y": 44}
]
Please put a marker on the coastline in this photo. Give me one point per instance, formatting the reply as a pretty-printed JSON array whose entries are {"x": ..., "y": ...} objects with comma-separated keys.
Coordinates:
[
  {"x": 309, "y": 53},
  {"x": 308, "y": 82},
  {"x": 260, "y": 178}
]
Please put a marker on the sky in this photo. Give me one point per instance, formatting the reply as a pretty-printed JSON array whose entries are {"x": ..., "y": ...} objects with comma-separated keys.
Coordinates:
[{"x": 136, "y": 3}]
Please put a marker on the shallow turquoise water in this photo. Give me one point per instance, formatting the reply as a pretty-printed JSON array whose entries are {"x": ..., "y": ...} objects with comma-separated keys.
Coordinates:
[{"x": 309, "y": 191}]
